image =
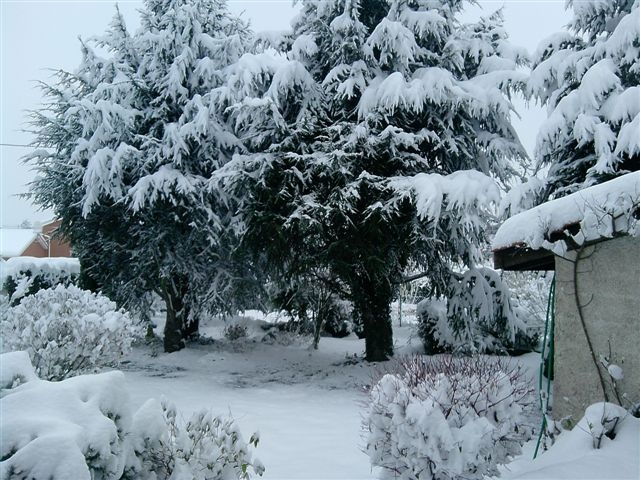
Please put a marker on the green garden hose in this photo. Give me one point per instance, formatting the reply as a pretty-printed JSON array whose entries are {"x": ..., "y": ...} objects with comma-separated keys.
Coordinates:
[{"x": 548, "y": 333}]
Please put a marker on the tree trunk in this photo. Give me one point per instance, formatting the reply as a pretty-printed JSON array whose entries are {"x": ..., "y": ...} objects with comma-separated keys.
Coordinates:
[
  {"x": 372, "y": 305},
  {"x": 173, "y": 327},
  {"x": 320, "y": 317},
  {"x": 177, "y": 312},
  {"x": 191, "y": 327},
  {"x": 321, "y": 305}
]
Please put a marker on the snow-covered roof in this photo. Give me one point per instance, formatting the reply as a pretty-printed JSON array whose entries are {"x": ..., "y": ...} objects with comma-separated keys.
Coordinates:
[
  {"x": 598, "y": 212},
  {"x": 14, "y": 241}
]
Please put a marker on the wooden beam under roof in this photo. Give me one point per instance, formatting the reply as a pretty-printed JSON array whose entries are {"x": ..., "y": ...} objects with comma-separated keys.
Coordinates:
[{"x": 521, "y": 259}]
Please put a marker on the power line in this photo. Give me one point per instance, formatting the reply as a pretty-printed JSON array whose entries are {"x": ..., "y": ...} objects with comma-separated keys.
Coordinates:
[{"x": 15, "y": 145}]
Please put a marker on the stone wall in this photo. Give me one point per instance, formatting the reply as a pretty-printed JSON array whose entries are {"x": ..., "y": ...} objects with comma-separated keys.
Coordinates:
[{"x": 608, "y": 279}]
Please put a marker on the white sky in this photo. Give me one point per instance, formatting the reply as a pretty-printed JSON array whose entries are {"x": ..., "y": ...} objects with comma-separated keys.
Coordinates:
[{"x": 38, "y": 36}]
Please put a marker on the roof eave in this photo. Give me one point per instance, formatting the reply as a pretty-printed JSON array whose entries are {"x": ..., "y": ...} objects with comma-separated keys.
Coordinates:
[{"x": 523, "y": 259}]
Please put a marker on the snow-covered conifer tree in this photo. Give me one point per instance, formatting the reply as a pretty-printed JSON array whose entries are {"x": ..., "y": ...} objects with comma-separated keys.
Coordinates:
[
  {"x": 388, "y": 124},
  {"x": 589, "y": 78},
  {"x": 128, "y": 143}
]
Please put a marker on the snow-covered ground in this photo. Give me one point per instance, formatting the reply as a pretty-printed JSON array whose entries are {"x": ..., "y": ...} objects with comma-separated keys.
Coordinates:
[
  {"x": 306, "y": 404},
  {"x": 573, "y": 456}
]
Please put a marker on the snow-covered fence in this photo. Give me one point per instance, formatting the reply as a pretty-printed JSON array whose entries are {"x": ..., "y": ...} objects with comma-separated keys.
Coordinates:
[
  {"x": 24, "y": 276},
  {"x": 84, "y": 428},
  {"x": 445, "y": 418}
]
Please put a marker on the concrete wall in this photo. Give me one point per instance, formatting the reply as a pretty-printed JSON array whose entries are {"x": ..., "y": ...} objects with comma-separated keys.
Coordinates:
[{"x": 608, "y": 278}]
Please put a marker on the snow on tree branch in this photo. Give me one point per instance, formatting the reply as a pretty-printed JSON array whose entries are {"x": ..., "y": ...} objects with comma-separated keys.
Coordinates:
[{"x": 462, "y": 190}]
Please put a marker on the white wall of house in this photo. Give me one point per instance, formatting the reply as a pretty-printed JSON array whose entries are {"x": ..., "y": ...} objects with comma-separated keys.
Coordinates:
[{"x": 608, "y": 281}]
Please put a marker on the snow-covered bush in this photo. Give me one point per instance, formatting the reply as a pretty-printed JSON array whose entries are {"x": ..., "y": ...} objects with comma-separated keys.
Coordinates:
[
  {"x": 478, "y": 316},
  {"x": 206, "y": 447},
  {"x": 444, "y": 418},
  {"x": 67, "y": 331},
  {"x": 432, "y": 321},
  {"x": 481, "y": 316},
  {"x": 339, "y": 320},
  {"x": 83, "y": 428},
  {"x": 603, "y": 419},
  {"x": 315, "y": 308},
  {"x": 235, "y": 331},
  {"x": 529, "y": 296},
  {"x": 73, "y": 429},
  {"x": 591, "y": 449},
  {"x": 4, "y": 309},
  {"x": 15, "y": 369},
  {"x": 27, "y": 275}
]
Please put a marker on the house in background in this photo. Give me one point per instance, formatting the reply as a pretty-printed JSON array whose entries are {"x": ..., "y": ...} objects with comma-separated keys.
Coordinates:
[
  {"x": 592, "y": 240},
  {"x": 26, "y": 242}
]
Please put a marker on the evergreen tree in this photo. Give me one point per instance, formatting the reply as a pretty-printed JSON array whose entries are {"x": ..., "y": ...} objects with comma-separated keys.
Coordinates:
[
  {"x": 376, "y": 141},
  {"x": 589, "y": 79},
  {"x": 129, "y": 143}
]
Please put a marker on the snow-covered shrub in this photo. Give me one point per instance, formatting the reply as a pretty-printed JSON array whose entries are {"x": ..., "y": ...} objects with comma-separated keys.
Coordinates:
[
  {"x": 573, "y": 454},
  {"x": 3, "y": 264},
  {"x": 445, "y": 417},
  {"x": 339, "y": 320},
  {"x": 82, "y": 428},
  {"x": 4, "y": 309},
  {"x": 315, "y": 309},
  {"x": 207, "y": 447},
  {"x": 73, "y": 429},
  {"x": 235, "y": 331},
  {"x": 603, "y": 419},
  {"x": 480, "y": 316},
  {"x": 603, "y": 444},
  {"x": 67, "y": 331},
  {"x": 15, "y": 369},
  {"x": 529, "y": 296},
  {"x": 617, "y": 383},
  {"x": 26, "y": 275},
  {"x": 432, "y": 320}
]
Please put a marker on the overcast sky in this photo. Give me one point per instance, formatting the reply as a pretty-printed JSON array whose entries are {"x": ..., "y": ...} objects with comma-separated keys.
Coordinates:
[{"x": 38, "y": 36}]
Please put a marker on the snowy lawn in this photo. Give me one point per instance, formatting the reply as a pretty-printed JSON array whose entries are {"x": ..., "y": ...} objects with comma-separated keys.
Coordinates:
[{"x": 307, "y": 405}]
